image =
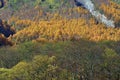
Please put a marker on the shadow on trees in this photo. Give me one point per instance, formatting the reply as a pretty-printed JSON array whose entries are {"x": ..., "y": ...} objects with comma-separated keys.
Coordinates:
[{"x": 5, "y": 32}]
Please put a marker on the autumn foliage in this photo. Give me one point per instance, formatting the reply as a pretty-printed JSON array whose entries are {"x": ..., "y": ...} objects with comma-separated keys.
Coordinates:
[
  {"x": 65, "y": 43},
  {"x": 112, "y": 11},
  {"x": 66, "y": 29},
  {"x": 67, "y": 24}
]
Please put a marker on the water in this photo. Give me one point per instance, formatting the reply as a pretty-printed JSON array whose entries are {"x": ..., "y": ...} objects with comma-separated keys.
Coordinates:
[{"x": 101, "y": 17}]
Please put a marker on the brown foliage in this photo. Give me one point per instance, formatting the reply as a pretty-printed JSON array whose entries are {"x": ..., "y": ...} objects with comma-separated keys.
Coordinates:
[{"x": 4, "y": 41}]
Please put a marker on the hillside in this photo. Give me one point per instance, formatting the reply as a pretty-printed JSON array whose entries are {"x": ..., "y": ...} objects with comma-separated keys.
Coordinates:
[{"x": 57, "y": 40}]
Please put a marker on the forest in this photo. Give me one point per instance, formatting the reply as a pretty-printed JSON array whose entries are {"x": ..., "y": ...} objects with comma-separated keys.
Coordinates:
[{"x": 57, "y": 40}]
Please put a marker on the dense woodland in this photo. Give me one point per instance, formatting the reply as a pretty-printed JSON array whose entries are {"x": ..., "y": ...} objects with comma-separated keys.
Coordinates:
[{"x": 56, "y": 40}]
